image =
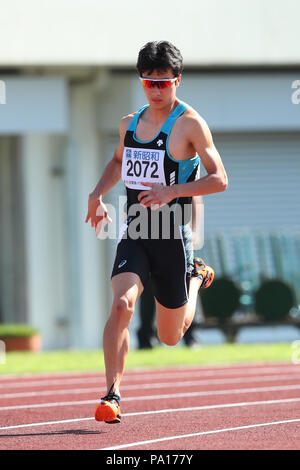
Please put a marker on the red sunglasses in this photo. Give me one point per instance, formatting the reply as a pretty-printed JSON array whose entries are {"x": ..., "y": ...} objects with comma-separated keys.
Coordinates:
[{"x": 161, "y": 83}]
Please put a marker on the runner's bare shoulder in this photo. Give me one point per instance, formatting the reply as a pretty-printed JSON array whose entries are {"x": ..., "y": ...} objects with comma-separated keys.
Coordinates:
[
  {"x": 122, "y": 130},
  {"x": 194, "y": 125},
  {"x": 125, "y": 123},
  {"x": 192, "y": 117}
]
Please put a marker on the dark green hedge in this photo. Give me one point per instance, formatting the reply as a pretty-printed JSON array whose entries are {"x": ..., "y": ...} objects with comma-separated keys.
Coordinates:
[
  {"x": 221, "y": 299},
  {"x": 273, "y": 300}
]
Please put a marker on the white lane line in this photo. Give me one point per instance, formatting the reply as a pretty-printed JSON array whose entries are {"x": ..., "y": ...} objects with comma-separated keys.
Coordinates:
[
  {"x": 169, "y": 410},
  {"x": 159, "y": 397},
  {"x": 47, "y": 423},
  {"x": 49, "y": 405},
  {"x": 179, "y": 374},
  {"x": 202, "y": 433},
  {"x": 192, "y": 383}
]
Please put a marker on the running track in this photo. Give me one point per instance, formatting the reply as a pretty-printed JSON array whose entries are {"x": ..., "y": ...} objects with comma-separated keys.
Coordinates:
[{"x": 222, "y": 407}]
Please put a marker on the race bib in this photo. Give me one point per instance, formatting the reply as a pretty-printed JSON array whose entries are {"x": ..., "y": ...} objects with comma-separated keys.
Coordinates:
[{"x": 142, "y": 166}]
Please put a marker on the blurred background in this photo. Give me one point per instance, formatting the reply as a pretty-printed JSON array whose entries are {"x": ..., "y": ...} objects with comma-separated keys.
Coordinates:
[{"x": 67, "y": 74}]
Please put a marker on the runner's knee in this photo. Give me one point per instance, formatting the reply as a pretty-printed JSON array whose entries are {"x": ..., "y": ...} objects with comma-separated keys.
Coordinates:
[
  {"x": 170, "y": 338},
  {"x": 186, "y": 325},
  {"x": 122, "y": 308}
]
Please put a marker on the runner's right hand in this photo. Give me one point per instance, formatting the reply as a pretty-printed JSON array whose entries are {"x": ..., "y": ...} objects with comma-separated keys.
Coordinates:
[{"x": 97, "y": 212}]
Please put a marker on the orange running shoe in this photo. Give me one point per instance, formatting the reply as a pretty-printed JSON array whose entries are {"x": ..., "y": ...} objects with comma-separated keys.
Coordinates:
[
  {"x": 108, "y": 409},
  {"x": 203, "y": 272}
]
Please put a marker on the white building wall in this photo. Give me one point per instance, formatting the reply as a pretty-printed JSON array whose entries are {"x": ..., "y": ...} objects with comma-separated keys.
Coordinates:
[
  {"x": 98, "y": 32},
  {"x": 12, "y": 285},
  {"x": 34, "y": 104},
  {"x": 87, "y": 254},
  {"x": 245, "y": 101},
  {"x": 66, "y": 275},
  {"x": 44, "y": 264}
]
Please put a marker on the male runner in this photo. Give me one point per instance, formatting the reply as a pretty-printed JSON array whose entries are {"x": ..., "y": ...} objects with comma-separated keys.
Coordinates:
[{"x": 158, "y": 158}]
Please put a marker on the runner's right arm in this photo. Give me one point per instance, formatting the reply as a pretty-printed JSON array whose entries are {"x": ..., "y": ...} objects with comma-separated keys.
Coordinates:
[{"x": 108, "y": 180}]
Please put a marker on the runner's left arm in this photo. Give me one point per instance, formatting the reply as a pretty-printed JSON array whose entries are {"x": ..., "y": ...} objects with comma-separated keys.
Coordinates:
[{"x": 215, "y": 181}]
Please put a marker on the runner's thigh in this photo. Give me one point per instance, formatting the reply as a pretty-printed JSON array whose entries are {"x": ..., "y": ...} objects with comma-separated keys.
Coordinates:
[{"x": 127, "y": 286}]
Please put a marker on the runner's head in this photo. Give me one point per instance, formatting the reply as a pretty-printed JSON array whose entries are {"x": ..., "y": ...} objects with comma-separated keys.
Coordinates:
[
  {"x": 159, "y": 56},
  {"x": 160, "y": 60}
]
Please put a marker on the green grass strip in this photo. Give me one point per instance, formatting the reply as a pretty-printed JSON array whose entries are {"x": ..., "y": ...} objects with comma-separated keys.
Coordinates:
[{"x": 162, "y": 356}]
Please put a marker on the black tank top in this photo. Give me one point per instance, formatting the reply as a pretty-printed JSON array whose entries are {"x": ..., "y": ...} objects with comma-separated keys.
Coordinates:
[{"x": 150, "y": 161}]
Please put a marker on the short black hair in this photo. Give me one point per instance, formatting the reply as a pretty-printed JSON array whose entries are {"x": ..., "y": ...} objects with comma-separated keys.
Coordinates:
[{"x": 160, "y": 56}]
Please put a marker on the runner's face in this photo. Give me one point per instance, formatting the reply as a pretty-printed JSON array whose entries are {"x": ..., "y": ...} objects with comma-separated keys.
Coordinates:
[{"x": 158, "y": 98}]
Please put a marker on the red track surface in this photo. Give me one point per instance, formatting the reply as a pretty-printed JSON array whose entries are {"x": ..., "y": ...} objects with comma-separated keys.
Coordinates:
[{"x": 222, "y": 407}]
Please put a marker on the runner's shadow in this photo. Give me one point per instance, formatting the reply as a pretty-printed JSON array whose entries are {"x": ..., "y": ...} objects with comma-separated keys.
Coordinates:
[{"x": 54, "y": 433}]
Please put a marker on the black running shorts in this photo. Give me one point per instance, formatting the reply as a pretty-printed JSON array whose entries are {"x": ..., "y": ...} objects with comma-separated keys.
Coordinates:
[{"x": 166, "y": 262}]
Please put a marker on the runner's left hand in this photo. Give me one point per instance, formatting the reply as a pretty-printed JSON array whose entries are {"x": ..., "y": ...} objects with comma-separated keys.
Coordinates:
[{"x": 157, "y": 196}]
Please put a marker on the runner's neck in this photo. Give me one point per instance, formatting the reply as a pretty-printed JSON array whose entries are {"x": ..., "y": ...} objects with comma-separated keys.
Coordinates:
[{"x": 158, "y": 116}]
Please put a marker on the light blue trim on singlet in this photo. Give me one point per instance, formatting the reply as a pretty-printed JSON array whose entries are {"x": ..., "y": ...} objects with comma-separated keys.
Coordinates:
[
  {"x": 134, "y": 120},
  {"x": 166, "y": 127},
  {"x": 185, "y": 167},
  {"x": 168, "y": 124}
]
